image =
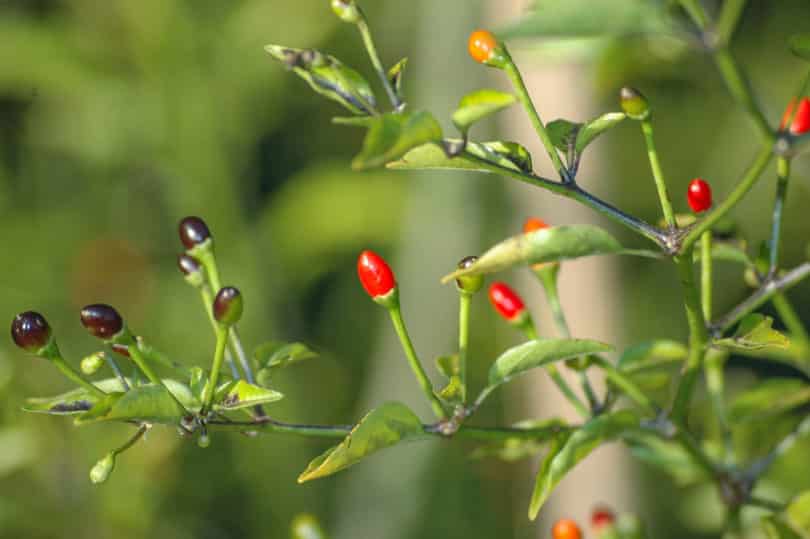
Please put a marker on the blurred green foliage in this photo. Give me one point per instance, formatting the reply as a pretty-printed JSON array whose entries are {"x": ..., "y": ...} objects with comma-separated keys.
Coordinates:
[{"x": 118, "y": 118}]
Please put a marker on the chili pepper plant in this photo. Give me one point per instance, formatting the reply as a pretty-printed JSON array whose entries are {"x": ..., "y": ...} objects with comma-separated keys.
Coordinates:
[{"x": 649, "y": 403}]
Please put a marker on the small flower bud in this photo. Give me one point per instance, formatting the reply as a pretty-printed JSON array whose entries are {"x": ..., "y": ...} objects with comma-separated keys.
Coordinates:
[
  {"x": 193, "y": 232},
  {"x": 566, "y": 529},
  {"x": 305, "y": 526},
  {"x": 469, "y": 284},
  {"x": 30, "y": 331},
  {"x": 102, "y": 321},
  {"x": 228, "y": 306},
  {"x": 204, "y": 440},
  {"x": 375, "y": 275},
  {"x": 602, "y": 517},
  {"x": 103, "y": 468},
  {"x": 507, "y": 303},
  {"x": 347, "y": 10},
  {"x": 92, "y": 363},
  {"x": 699, "y": 195},
  {"x": 634, "y": 104}
]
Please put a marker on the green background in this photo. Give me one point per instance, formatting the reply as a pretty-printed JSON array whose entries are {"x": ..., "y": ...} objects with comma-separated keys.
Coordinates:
[{"x": 118, "y": 118}]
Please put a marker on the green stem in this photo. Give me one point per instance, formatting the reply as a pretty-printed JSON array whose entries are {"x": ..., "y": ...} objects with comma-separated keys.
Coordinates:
[
  {"x": 208, "y": 302},
  {"x": 751, "y": 176},
  {"x": 782, "y": 176},
  {"x": 696, "y": 12},
  {"x": 368, "y": 42},
  {"x": 658, "y": 175},
  {"x": 715, "y": 385},
  {"x": 484, "y": 434},
  {"x": 413, "y": 360},
  {"x": 74, "y": 376},
  {"x": 548, "y": 278},
  {"x": 574, "y": 192},
  {"x": 706, "y": 274},
  {"x": 137, "y": 357},
  {"x": 133, "y": 440},
  {"x": 740, "y": 90},
  {"x": 465, "y": 300},
  {"x": 523, "y": 95},
  {"x": 767, "y": 291},
  {"x": 554, "y": 373},
  {"x": 698, "y": 337},
  {"x": 728, "y": 20},
  {"x": 216, "y": 366},
  {"x": 627, "y": 386}
]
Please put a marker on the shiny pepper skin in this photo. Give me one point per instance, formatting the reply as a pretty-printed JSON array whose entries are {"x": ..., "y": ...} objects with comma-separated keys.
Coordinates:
[
  {"x": 699, "y": 195},
  {"x": 375, "y": 274}
]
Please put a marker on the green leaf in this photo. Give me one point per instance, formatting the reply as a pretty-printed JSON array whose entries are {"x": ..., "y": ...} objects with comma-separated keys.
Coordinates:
[
  {"x": 478, "y": 105},
  {"x": 328, "y": 76},
  {"x": 768, "y": 398},
  {"x": 241, "y": 394},
  {"x": 800, "y": 45},
  {"x": 576, "y": 447},
  {"x": 150, "y": 403},
  {"x": 532, "y": 354},
  {"x": 651, "y": 354},
  {"x": 665, "y": 455},
  {"x": 197, "y": 381},
  {"x": 76, "y": 401},
  {"x": 596, "y": 127},
  {"x": 450, "y": 368},
  {"x": 395, "y": 75},
  {"x": 518, "y": 448},
  {"x": 754, "y": 333},
  {"x": 563, "y": 133},
  {"x": 383, "y": 427},
  {"x": 281, "y": 354},
  {"x": 797, "y": 513},
  {"x": 774, "y": 528},
  {"x": 728, "y": 251},
  {"x": 508, "y": 155},
  {"x": 545, "y": 245},
  {"x": 586, "y": 18},
  {"x": 391, "y": 135}
]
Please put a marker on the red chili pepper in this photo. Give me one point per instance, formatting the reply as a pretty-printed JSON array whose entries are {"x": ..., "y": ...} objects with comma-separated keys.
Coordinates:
[
  {"x": 375, "y": 274},
  {"x": 506, "y": 301},
  {"x": 566, "y": 529},
  {"x": 602, "y": 517},
  {"x": 699, "y": 195},
  {"x": 801, "y": 119},
  {"x": 534, "y": 223},
  {"x": 193, "y": 231},
  {"x": 102, "y": 321},
  {"x": 482, "y": 45}
]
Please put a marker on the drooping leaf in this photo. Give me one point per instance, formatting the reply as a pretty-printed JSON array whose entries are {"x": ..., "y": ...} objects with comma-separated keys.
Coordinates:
[
  {"x": 755, "y": 332},
  {"x": 328, "y": 76},
  {"x": 518, "y": 448},
  {"x": 563, "y": 133},
  {"x": 579, "y": 445},
  {"x": 768, "y": 398},
  {"x": 479, "y": 104},
  {"x": 546, "y": 245},
  {"x": 797, "y": 513},
  {"x": 383, "y": 427},
  {"x": 666, "y": 455},
  {"x": 508, "y": 155},
  {"x": 197, "y": 381},
  {"x": 588, "y": 132},
  {"x": 775, "y": 528},
  {"x": 800, "y": 45},
  {"x": 395, "y": 75},
  {"x": 532, "y": 354},
  {"x": 241, "y": 394},
  {"x": 588, "y": 18},
  {"x": 281, "y": 354},
  {"x": 556, "y": 446},
  {"x": 651, "y": 354},
  {"x": 392, "y": 135},
  {"x": 148, "y": 402}
]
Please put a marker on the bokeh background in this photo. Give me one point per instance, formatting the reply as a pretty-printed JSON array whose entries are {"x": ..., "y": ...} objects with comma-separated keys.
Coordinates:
[{"x": 118, "y": 118}]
